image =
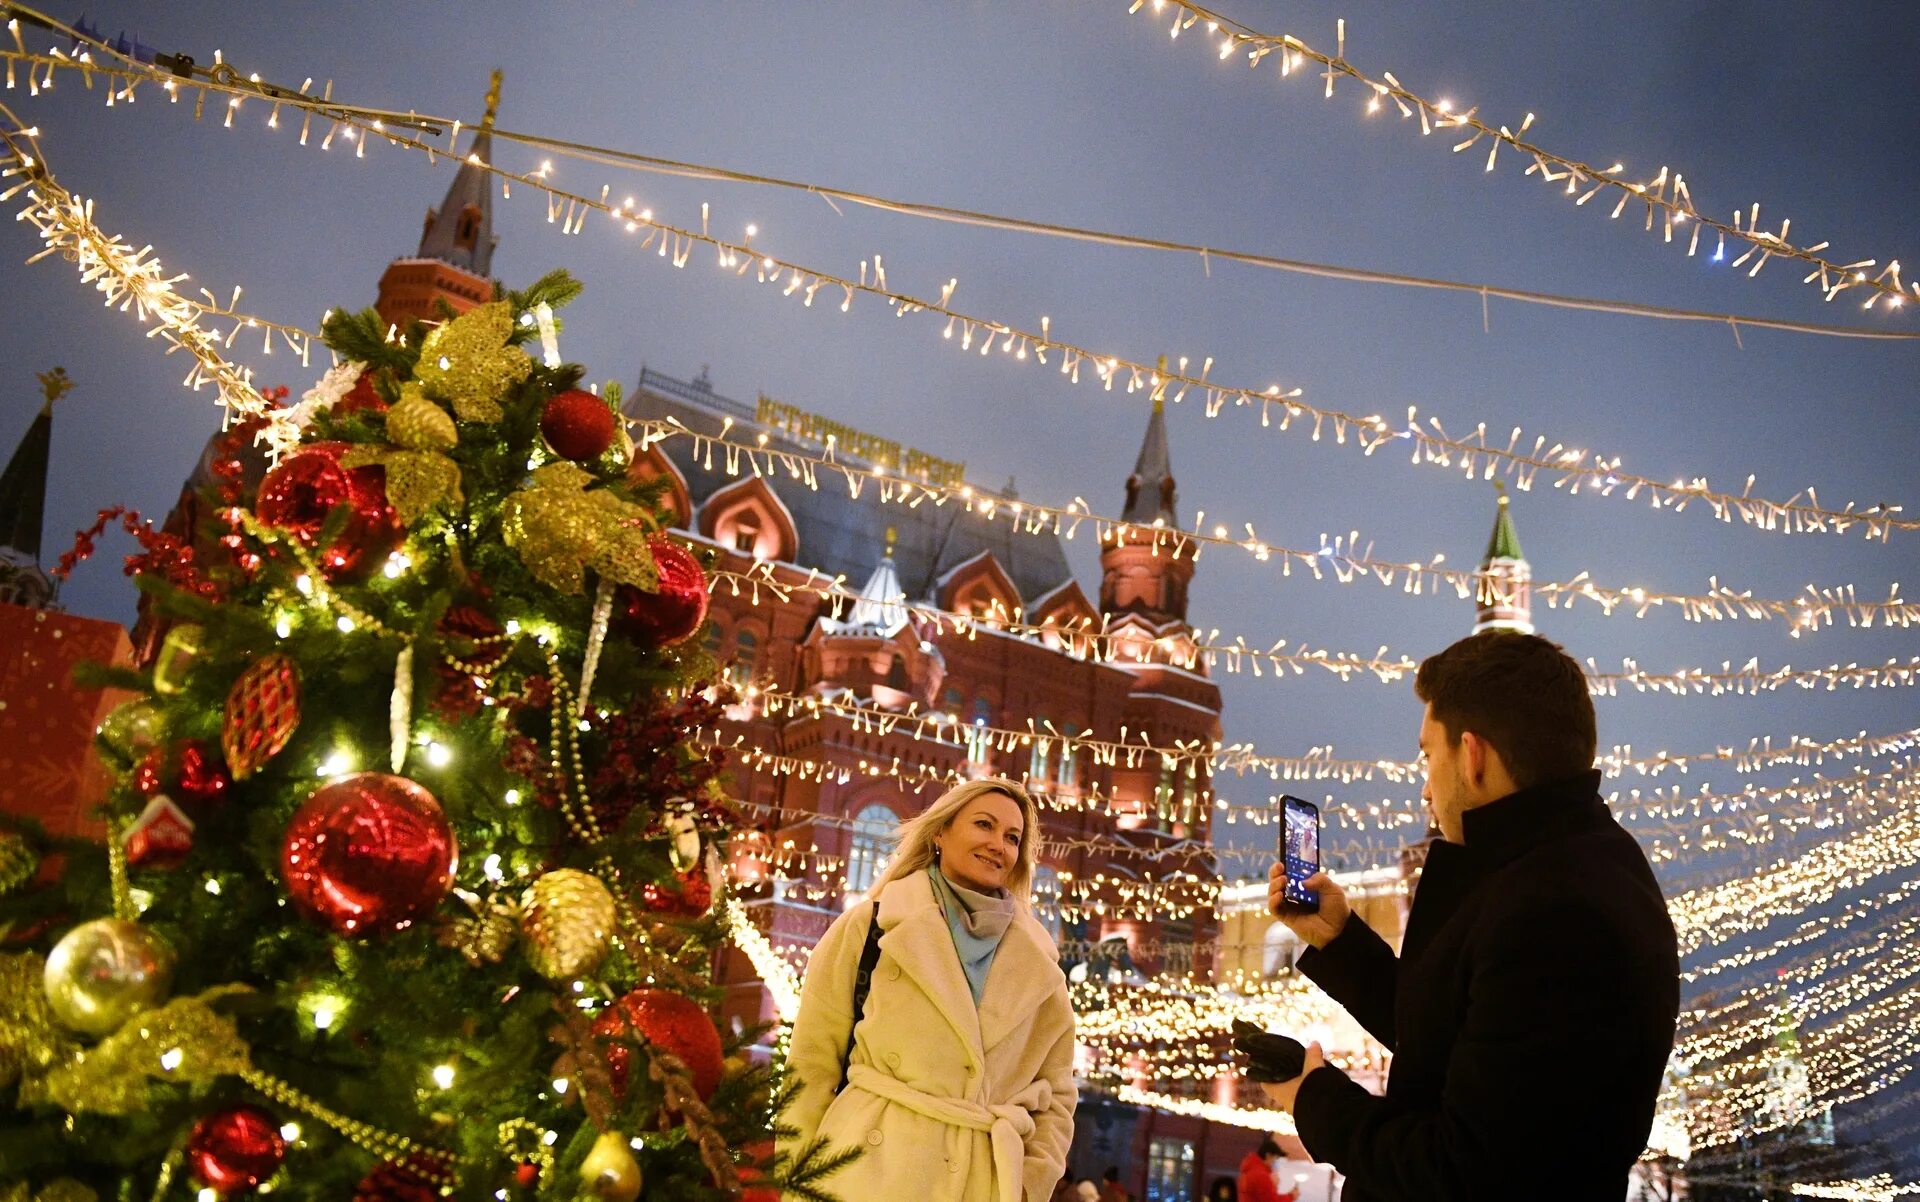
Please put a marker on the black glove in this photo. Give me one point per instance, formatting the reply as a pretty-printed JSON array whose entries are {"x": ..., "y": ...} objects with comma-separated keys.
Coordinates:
[{"x": 1270, "y": 1057}]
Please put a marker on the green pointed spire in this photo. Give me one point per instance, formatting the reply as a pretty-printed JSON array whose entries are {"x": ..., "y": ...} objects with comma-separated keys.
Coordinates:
[{"x": 1505, "y": 543}]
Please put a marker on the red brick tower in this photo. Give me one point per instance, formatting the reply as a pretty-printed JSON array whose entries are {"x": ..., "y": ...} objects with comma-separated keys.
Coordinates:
[{"x": 456, "y": 246}]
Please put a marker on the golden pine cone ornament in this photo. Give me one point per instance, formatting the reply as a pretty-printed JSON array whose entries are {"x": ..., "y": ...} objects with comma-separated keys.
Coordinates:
[{"x": 567, "y": 918}]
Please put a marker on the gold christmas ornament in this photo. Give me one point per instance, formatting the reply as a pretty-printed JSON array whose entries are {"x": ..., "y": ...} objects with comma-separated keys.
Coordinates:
[
  {"x": 132, "y": 729},
  {"x": 468, "y": 363},
  {"x": 484, "y": 936},
  {"x": 560, "y": 528},
  {"x": 103, "y": 972},
  {"x": 177, "y": 652},
  {"x": 567, "y": 917},
  {"x": 610, "y": 1172},
  {"x": 418, "y": 424}
]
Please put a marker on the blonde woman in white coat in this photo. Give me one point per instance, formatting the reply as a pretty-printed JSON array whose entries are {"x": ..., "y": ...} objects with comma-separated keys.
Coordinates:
[{"x": 959, "y": 1084}]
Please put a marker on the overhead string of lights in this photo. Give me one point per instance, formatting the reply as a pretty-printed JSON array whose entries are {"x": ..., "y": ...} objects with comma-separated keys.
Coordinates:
[
  {"x": 1563, "y": 465},
  {"x": 1665, "y": 196},
  {"x": 134, "y": 279},
  {"x": 766, "y": 582}
]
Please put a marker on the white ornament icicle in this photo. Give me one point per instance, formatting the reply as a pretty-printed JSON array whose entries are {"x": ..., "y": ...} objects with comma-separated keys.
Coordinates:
[
  {"x": 549, "y": 335},
  {"x": 596, "y": 637},
  {"x": 400, "y": 706}
]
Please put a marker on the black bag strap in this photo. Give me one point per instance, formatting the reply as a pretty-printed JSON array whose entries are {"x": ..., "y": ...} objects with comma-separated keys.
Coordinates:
[{"x": 862, "y": 982}]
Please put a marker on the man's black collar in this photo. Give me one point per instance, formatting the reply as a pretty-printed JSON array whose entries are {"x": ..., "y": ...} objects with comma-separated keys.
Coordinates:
[{"x": 1500, "y": 830}]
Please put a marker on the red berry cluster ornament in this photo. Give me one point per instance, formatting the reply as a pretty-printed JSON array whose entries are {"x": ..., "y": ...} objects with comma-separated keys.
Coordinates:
[
  {"x": 303, "y": 489},
  {"x": 235, "y": 1149},
  {"x": 189, "y": 772},
  {"x": 368, "y": 853},
  {"x": 689, "y": 895},
  {"x": 671, "y": 614},
  {"x": 578, "y": 425},
  {"x": 670, "y": 1021}
]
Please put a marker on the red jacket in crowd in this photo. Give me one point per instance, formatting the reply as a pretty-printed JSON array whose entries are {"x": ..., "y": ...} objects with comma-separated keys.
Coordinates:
[{"x": 1256, "y": 1182}]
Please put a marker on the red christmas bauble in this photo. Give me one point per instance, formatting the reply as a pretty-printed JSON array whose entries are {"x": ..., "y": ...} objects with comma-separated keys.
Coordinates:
[
  {"x": 578, "y": 424},
  {"x": 189, "y": 773},
  {"x": 302, "y": 489},
  {"x": 398, "y": 1181},
  {"x": 670, "y": 616},
  {"x": 689, "y": 895},
  {"x": 368, "y": 853},
  {"x": 526, "y": 1175},
  {"x": 236, "y": 1148},
  {"x": 674, "y": 1022},
  {"x": 360, "y": 396}
]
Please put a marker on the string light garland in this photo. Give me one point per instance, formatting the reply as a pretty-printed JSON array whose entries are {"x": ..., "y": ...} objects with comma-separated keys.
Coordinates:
[
  {"x": 1428, "y": 442},
  {"x": 1807, "y": 880},
  {"x": 1878, "y": 1188},
  {"x": 1207, "y": 255},
  {"x": 1665, "y": 195},
  {"x": 132, "y": 279},
  {"x": 1340, "y": 558},
  {"x": 782, "y": 582}
]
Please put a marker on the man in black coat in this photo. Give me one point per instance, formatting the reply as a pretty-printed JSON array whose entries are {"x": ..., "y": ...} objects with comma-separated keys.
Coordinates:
[{"x": 1531, "y": 1009}]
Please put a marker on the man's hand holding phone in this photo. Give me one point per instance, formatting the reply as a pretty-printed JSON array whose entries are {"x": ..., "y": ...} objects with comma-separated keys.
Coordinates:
[{"x": 1317, "y": 927}]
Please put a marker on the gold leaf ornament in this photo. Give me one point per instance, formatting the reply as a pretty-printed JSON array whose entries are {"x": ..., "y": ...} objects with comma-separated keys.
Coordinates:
[
  {"x": 560, "y": 528},
  {"x": 468, "y": 363},
  {"x": 417, "y": 481},
  {"x": 416, "y": 423},
  {"x": 185, "y": 1042},
  {"x": 31, "y": 1041}
]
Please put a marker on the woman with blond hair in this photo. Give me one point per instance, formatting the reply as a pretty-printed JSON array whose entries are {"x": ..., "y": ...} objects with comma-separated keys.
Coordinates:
[{"x": 934, "y": 1031}]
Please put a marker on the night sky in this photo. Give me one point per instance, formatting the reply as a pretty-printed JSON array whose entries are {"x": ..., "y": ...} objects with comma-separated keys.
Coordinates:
[{"x": 1076, "y": 113}]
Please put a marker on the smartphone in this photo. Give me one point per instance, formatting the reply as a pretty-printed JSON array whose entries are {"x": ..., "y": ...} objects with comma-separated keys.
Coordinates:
[{"x": 1300, "y": 850}]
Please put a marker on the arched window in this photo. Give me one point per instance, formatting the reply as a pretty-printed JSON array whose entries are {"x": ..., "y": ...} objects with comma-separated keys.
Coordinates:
[
  {"x": 1042, "y": 752},
  {"x": 467, "y": 233},
  {"x": 746, "y": 657},
  {"x": 873, "y": 832},
  {"x": 1069, "y": 761},
  {"x": 978, "y": 741},
  {"x": 1164, "y": 793}
]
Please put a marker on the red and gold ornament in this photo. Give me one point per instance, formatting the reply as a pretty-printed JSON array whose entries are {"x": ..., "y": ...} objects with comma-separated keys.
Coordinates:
[
  {"x": 306, "y": 487},
  {"x": 671, "y": 1021},
  {"x": 262, "y": 712},
  {"x": 578, "y": 425},
  {"x": 235, "y": 1149},
  {"x": 675, "y": 611},
  {"x": 368, "y": 853}
]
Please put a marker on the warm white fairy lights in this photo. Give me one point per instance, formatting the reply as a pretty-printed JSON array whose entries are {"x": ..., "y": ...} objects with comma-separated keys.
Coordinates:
[
  {"x": 1428, "y": 442},
  {"x": 1880, "y": 1187},
  {"x": 1340, "y": 558},
  {"x": 766, "y": 582},
  {"x": 133, "y": 279},
  {"x": 1665, "y": 195},
  {"x": 1806, "y": 880}
]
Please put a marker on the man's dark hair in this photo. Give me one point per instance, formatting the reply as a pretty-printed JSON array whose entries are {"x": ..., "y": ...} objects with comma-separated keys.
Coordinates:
[
  {"x": 1112, "y": 1174},
  {"x": 1268, "y": 1148},
  {"x": 1522, "y": 694}
]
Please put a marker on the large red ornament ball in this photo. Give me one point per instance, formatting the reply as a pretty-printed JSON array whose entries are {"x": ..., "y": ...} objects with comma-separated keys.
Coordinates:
[
  {"x": 236, "y": 1148},
  {"x": 670, "y": 616},
  {"x": 578, "y": 424},
  {"x": 299, "y": 493},
  {"x": 368, "y": 853},
  {"x": 671, "y": 1021}
]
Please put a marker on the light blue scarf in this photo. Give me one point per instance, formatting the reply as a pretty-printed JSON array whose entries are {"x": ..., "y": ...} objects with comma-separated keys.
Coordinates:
[{"x": 977, "y": 921}]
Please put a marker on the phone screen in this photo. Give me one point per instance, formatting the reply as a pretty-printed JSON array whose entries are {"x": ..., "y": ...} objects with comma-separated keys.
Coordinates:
[{"x": 1300, "y": 849}]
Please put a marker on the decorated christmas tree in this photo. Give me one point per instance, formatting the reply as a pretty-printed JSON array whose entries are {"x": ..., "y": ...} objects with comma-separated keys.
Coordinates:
[{"x": 412, "y": 875}]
